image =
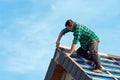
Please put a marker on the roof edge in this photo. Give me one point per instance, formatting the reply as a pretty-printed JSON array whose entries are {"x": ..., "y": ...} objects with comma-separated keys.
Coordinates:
[{"x": 100, "y": 53}]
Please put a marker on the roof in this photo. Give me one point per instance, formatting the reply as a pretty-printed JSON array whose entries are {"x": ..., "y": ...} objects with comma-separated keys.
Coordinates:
[{"x": 79, "y": 68}]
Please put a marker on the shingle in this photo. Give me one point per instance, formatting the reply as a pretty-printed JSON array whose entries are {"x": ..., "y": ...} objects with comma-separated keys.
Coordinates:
[
  {"x": 66, "y": 63},
  {"x": 50, "y": 70},
  {"x": 74, "y": 70},
  {"x": 70, "y": 66},
  {"x": 61, "y": 58}
]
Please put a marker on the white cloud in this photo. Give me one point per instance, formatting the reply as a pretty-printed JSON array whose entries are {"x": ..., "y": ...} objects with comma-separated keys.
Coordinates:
[{"x": 94, "y": 10}]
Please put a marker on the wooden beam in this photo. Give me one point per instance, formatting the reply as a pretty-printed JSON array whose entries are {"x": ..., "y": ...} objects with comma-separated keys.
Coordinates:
[
  {"x": 86, "y": 61},
  {"x": 58, "y": 73},
  {"x": 95, "y": 79},
  {"x": 109, "y": 55},
  {"x": 83, "y": 66},
  {"x": 104, "y": 75},
  {"x": 110, "y": 65},
  {"x": 101, "y": 54}
]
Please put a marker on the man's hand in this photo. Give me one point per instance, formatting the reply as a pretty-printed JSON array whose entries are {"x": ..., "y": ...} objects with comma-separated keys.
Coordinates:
[
  {"x": 67, "y": 54},
  {"x": 58, "y": 40}
]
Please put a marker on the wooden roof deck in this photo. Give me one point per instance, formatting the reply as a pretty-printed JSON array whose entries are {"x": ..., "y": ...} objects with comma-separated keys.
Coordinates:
[{"x": 81, "y": 69}]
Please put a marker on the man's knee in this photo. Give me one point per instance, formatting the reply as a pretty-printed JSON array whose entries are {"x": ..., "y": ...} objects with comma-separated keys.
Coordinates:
[{"x": 80, "y": 52}]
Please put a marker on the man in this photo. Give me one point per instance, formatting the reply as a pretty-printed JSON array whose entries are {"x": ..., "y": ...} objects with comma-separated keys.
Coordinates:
[{"x": 88, "y": 41}]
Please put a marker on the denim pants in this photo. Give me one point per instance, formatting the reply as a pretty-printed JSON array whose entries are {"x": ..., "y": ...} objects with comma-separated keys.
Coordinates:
[{"x": 91, "y": 53}]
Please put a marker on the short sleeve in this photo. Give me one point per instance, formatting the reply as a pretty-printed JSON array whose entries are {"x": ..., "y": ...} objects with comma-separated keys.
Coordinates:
[{"x": 64, "y": 31}]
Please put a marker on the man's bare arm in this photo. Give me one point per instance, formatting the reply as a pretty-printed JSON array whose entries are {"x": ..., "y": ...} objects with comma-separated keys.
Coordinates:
[
  {"x": 71, "y": 50},
  {"x": 58, "y": 39}
]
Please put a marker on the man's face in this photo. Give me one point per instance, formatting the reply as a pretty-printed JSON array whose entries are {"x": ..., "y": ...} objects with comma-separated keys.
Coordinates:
[{"x": 70, "y": 27}]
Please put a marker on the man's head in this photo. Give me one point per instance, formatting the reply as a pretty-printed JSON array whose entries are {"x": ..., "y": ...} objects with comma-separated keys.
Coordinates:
[{"x": 69, "y": 24}]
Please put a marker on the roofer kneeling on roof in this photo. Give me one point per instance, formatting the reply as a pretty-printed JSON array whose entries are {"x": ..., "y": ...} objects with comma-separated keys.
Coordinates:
[{"x": 88, "y": 41}]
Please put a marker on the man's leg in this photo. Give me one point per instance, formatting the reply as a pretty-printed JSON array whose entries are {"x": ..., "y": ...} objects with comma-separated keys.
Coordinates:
[
  {"x": 83, "y": 53},
  {"x": 93, "y": 51}
]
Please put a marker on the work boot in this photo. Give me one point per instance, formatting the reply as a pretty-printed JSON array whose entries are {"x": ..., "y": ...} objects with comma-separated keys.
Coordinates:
[
  {"x": 96, "y": 66},
  {"x": 96, "y": 69}
]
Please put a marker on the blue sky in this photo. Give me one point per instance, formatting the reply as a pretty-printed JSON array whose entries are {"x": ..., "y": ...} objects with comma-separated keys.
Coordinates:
[{"x": 29, "y": 29}]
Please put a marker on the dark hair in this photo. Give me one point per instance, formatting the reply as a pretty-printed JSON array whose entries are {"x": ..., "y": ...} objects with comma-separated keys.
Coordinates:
[{"x": 69, "y": 22}]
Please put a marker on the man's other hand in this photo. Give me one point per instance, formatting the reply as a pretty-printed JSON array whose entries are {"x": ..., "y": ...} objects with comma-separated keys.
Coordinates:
[{"x": 67, "y": 54}]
